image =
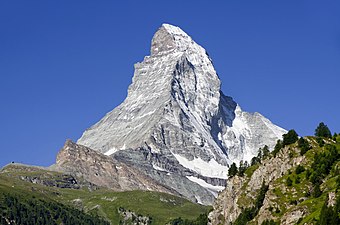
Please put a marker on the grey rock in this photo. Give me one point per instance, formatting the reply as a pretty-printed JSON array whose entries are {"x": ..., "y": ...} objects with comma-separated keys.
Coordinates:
[
  {"x": 175, "y": 109},
  {"x": 104, "y": 171}
]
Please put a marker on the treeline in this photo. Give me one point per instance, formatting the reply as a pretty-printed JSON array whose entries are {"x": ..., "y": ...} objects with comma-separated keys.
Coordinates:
[
  {"x": 201, "y": 220},
  {"x": 28, "y": 210},
  {"x": 291, "y": 137}
]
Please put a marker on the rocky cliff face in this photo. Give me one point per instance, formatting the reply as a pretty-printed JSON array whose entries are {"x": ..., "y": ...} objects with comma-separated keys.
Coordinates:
[
  {"x": 241, "y": 192},
  {"x": 176, "y": 125},
  {"x": 291, "y": 196},
  {"x": 103, "y": 171}
]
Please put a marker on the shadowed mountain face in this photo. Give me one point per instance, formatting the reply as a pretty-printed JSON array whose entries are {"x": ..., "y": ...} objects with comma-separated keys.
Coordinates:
[{"x": 176, "y": 126}]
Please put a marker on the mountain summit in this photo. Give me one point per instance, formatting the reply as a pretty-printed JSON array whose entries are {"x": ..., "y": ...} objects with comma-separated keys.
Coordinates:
[{"x": 176, "y": 125}]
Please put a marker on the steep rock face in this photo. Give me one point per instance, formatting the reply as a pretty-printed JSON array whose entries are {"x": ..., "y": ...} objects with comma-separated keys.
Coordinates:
[
  {"x": 175, "y": 109},
  {"x": 241, "y": 192},
  {"x": 103, "y": 170}
]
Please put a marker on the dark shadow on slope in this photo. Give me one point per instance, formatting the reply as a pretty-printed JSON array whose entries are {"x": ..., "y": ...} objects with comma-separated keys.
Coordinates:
[{"x": 226, "y": 115}]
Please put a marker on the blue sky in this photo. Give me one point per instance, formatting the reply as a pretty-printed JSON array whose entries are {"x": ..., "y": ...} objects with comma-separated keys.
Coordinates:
[{"x": 64, "y": 64}]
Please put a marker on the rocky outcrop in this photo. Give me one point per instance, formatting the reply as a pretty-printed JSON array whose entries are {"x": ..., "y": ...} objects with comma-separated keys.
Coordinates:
[
  {"x": 241, "y": 192},
  {"x": 132, "y": 218},
  {"x": 175, "y": 110},
  {"x": 103, "y": 171},
  {"x": 46, "y": 176},
  {"x": 227, "y": 202},
  {"x": 59, "y": 181}
]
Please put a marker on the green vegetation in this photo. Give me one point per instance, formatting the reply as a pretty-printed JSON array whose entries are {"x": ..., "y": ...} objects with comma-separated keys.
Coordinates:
[
  {"x": 299, "y": 169},
  {"x": 232, "y": 170},
  {"x": 323, "y": 163},
  {"x": 242, "y": 168},
  {"x": 201, "y": 220},
  {"x": 289, "y": 138},
  {"x": 323, "y": 131},
  {"x": 249, "y": 213},
  {"x": 102, "y": 204},
  {"x": 29, "y": 210},
  {"x": 304, "y": 187},
  {"x": 277, "y": 147},
  {"x": 289, "y": 182},
  {"x": 303, "y": 145},
  {"x": 330, "y": 214},
  {"x": 269, "y": 222}
]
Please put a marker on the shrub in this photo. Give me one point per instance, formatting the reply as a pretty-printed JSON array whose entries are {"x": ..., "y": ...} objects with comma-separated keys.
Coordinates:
[
  {"x": 297, "y": 180},
  {"x": 289, "y": 182},
  {"x": 277, "y": 147},
  {"x": 299, "y": 169},
  {"x": 317, "y": 191},
  {"x": 303, "y": 145}
]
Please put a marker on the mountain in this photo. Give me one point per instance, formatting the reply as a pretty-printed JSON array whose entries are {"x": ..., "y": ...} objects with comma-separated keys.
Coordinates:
[
  {"x": 298, "y": 184},
  {"x": 176, "y": 125}
]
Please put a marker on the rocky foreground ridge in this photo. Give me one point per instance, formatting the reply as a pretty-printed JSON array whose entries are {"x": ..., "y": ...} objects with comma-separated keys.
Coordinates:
[
  {"x": 291, "y": 186},
  {"x": 176, "y": 126}
]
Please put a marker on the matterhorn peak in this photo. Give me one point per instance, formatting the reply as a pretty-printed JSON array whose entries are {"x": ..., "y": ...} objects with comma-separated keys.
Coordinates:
[
  {"x": 169, "y": 38},
  {"x": 176, "y": 125}
]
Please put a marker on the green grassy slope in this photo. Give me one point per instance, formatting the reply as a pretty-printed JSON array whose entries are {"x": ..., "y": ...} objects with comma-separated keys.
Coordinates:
[{"x": 160, "y": 207}]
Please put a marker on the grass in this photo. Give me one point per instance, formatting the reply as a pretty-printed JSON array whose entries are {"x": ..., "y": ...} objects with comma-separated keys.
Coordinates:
[
  {"x": 161, "y": 207},
  {"x": 250, "y": 170}
]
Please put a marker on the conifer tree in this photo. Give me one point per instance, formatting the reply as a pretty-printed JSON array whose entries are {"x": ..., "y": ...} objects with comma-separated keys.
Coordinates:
[
  {"x": 232, "y": 170},
  {"x": 323, "y": 131}
]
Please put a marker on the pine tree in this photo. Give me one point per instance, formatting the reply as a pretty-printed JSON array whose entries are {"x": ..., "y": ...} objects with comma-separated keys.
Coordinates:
[
  {"x": 323, "y": 131},
  {"x": 265, "y": 152},
  {"x": 289, "y": 138},
  {"x": 277, "y": 147},
  {"x": 303, "y": 145},
  {"x": 232, "y": 170}
]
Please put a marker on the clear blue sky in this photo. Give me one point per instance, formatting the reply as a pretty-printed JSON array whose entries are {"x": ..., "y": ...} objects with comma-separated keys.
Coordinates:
[{"x": 64, "y": 64}]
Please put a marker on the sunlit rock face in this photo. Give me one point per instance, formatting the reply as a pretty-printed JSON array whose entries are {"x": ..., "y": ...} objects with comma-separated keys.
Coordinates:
[{"x": 176, "y": 125}]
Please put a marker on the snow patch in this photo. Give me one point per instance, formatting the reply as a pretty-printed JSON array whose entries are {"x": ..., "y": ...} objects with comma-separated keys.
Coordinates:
[
  {"x": 213, "y": 189},
  {"x": 111, "y": 151},
  {"x": 159, "y": 168},
  {"x": 207, "y": 169}
]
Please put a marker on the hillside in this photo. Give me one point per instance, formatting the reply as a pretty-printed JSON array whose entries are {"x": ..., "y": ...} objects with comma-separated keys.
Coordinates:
[
  {"x": 47, "y": 197},
  {"x": 295, "y": 184}
]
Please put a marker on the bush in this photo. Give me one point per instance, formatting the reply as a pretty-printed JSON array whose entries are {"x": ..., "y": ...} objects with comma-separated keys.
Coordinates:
[
  {"x": 277, "y": 147},
  {"x": 289, "y": 182},
  {"x": 269, "y": 222},
  {"x": 320, "y": 141},
  {"x": 299, "y": 169},
  {"x": 317, "y": 191},
  {"x": 303, "y": 145}
]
